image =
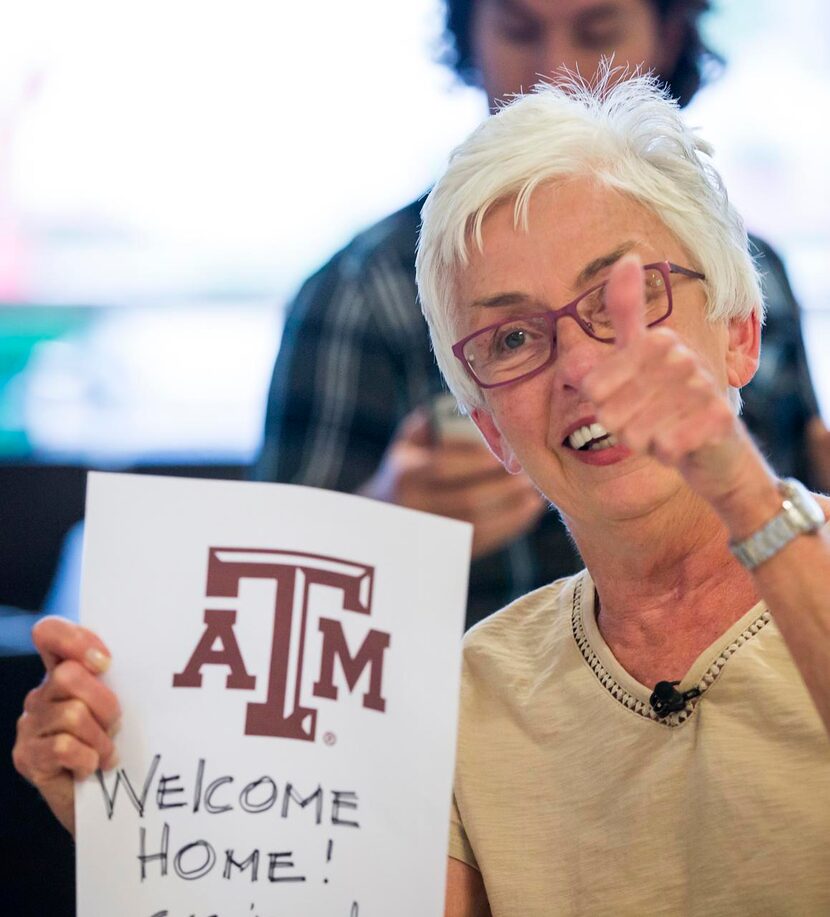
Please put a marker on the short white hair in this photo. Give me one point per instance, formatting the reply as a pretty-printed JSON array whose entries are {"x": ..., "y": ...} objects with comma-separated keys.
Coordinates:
[{"x": 628, "y": 135}]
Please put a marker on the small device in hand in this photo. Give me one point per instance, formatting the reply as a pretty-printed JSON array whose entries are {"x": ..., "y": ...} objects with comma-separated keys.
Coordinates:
[{"x": 448, "y": 423}]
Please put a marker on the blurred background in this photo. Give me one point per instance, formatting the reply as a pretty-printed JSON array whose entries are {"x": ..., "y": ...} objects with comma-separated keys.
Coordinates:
[{"x": 170, "y": 171}]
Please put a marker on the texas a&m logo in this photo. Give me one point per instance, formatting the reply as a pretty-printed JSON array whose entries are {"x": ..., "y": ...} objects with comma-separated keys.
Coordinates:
[{"x": 283, "y": 713}]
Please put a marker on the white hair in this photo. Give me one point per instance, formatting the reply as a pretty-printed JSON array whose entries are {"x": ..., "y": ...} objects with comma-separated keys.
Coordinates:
[{"x": 626, "y": 134}]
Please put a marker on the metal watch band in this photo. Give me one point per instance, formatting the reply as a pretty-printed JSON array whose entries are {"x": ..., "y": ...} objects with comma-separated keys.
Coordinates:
[{"x": 800, "y": 514}]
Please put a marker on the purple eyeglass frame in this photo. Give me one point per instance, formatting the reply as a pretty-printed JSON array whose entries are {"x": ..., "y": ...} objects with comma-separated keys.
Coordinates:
[{"x": 552, "y": 316}]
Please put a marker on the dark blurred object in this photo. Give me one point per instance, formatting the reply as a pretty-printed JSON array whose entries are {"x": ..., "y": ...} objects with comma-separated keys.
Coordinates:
[
  {"x": 37, "y": 856},
  {"x": 39, "y": 503}
]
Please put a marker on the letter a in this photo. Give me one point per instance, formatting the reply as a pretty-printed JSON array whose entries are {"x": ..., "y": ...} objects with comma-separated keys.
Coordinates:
[{"x": 218, "y": 629}]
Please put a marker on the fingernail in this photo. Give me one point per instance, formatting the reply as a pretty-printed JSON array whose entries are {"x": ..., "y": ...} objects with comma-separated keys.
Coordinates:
[
  {"x": 97, "y": 660},
  {"x": 113, "y": 761},
  {"x": 113, "y": 731}
]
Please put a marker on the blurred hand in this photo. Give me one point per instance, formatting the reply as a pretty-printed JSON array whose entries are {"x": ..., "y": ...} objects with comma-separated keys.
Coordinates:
[
  {"x": 459, "y": 478},
  {"x": 65, "y": 732},
  {"x": 818, "y": 449},
  {"x": 656, "y": 395}
]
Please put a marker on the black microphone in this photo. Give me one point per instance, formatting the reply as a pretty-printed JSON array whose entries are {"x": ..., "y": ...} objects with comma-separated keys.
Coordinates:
[{"x": 666, "y": 699}]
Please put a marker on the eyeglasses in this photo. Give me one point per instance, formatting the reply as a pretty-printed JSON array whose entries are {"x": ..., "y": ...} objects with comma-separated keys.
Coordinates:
[{"x": 521, "y": 347}]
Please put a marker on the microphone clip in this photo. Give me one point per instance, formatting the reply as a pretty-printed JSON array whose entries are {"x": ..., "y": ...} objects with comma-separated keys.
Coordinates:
[{"x": 666, "y": 699}]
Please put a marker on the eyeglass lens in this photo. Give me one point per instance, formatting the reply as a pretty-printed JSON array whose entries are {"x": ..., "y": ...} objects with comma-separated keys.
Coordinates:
[{"x": 518, "y": 346}]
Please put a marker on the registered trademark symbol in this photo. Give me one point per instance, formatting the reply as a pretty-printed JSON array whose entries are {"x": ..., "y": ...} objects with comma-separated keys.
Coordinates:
[{"x": 329, "y": 738}]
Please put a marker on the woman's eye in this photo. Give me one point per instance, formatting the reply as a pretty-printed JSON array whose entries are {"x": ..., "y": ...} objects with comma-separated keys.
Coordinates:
[
  {"x": 654, "y": 284},
  {"x": 595, "y": 306},
  {"x": 513, "y": 339}
]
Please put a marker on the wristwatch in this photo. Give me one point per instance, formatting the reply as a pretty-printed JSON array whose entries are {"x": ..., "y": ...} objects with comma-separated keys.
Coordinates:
[{"x": 800, "y": 514}]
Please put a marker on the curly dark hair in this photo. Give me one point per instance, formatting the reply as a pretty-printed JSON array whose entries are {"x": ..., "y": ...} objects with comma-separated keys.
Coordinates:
[{"x": 695, "y": 64}]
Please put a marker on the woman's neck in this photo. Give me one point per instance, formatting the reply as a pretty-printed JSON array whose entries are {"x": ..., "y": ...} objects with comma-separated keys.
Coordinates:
[{"x": 668, "y": 587}]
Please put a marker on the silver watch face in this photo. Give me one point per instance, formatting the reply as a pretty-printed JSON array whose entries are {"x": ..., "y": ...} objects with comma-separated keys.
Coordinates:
[
  {"x": 803, "y": 509},
  {"x": 800, "y": 514}
]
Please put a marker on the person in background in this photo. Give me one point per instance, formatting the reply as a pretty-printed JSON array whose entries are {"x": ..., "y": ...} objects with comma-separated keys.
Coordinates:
[{"x": 355, "y": 393}]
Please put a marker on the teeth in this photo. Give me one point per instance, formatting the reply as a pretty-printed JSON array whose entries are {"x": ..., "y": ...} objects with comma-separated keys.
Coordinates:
[
  {"x": 603, "y": 444},
  {"x": 585, "y": 434}
]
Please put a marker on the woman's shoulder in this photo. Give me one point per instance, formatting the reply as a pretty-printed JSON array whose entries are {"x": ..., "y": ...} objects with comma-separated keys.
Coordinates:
[{"x": 527, "y": 625}]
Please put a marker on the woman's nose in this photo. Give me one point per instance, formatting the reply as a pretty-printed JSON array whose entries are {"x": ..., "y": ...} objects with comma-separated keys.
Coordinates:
[{"x": 576, "y": 353}]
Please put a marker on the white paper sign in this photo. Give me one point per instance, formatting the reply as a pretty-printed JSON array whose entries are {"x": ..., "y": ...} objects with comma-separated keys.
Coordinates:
[{"x": 287, "y": 661}]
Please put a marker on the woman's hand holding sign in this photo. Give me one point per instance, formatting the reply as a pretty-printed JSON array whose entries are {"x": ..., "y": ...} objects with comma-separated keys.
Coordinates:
[{"x": 65, "y": 732}]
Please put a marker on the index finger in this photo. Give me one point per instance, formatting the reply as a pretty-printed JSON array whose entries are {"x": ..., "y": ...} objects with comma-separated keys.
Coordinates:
[
  {"x": 625, "y": 299},
  {"x": 57, "y": 639}
]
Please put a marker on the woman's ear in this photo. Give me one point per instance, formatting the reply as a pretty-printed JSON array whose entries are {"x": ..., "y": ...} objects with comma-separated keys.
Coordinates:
[
  {"x": 743, "y": 350},
  {"x": 497, "y": 443}
]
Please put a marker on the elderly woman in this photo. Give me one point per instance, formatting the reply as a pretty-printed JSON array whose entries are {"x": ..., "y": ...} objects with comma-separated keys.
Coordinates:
[{"x": 640, "y": 738}]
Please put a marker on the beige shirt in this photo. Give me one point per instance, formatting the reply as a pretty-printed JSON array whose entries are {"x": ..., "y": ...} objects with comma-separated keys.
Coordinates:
[{"x": 572, "y": 797}]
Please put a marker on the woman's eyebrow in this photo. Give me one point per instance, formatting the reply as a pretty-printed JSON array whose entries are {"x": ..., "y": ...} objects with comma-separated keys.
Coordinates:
[
  {"x": 592, "y": 268},
  {"x": 504, "y": 299}
]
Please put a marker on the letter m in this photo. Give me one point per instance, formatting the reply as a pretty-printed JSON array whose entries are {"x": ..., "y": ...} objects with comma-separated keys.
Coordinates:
[{"x": 370, "y": 655}]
